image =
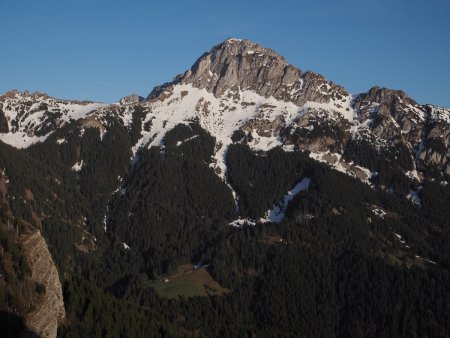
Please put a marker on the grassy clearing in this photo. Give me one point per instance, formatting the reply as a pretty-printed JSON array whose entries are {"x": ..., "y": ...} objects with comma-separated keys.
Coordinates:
[
  {"x": 402, "y": 258},
  {"x": 187, "y": 282}
]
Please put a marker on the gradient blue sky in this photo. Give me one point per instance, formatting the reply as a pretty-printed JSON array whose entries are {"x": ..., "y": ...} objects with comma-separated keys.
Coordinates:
[{"x": 103, "y": 50}]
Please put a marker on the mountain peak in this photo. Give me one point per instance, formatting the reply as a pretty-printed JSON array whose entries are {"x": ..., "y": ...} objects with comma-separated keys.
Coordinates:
[
  {"x": 245, "y": 47},
  {"x": 382, "y": 94},
  {"x": 237, "y": 64},
  {"x": 231, "y": 40},
  {"x": 241, "y": 64}
]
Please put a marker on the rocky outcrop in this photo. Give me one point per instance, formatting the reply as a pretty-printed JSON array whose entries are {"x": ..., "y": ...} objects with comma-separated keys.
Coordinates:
[
  {"x": 265, "y": 128},
  {"x": 130, "y": 99},
  {"x": 434, "y": 156},
  {"x": 48, "y": 311},
  {"x": 3, "y": 123},
  {"x": 391, "y": 115}
]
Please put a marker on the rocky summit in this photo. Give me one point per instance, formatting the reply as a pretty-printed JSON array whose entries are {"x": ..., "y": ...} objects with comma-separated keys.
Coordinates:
[
  {"x": 133, "y": 98},
  {"x": 243, "y": 65}
]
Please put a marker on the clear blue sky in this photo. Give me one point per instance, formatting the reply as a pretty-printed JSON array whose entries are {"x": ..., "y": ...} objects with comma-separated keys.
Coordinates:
[{"x": 103, "y": 50}]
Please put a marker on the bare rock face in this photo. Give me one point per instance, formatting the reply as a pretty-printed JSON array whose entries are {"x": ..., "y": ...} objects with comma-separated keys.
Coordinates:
[
  {"x": 438, "y": 124},
  {"x": 265, "y": 128},
  {"x": 131, "y": 99},
  {"x": 241, "y": 64},
  {"x": 391, "y": 114},
  {"x": 319, "y": 131},
  {"x": 433, "y": 157},
  {"x": 49, "y": 311},
  {"x": 394, "y": 118}
]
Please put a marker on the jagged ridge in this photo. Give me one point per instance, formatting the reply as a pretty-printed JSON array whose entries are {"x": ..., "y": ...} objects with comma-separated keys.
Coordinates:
[{"x": 240, "y": 85}]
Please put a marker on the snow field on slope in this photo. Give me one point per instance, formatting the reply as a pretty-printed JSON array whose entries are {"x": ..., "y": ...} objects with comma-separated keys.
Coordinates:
[
  {"x": 219, "y": 116},
  {"x": 277, "y": 213},
  {"x": 32, "y": 117}
]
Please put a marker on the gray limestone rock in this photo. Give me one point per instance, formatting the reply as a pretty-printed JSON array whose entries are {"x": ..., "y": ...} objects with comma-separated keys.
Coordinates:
[
  {"x": 130, "y": 99},
  {"x": 48, "y": 313},
  {"x": 242, "y": 64}
]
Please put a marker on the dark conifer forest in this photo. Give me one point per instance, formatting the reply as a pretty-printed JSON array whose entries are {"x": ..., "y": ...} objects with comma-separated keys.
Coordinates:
[{"x": 332, "y": 268}]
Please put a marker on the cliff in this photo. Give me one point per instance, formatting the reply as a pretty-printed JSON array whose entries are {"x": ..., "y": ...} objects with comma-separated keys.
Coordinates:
[{"x": 48, "y": 310}]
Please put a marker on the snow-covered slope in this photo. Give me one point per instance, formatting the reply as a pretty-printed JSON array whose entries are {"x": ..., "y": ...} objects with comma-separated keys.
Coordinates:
[
  {"x": 31, "y": 118},
  {"x": 244, "y": 88},
  {"x": 221, "y": 117},
  {"x": 276, "y": 214}
]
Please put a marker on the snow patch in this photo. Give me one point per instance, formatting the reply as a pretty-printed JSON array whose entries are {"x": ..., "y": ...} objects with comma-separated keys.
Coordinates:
[
  {"x": 419, "y": 149},
  {"x": 105, "y": 218},
  {"x": 413, "y": 174},
  {"x": 21, "y": 140},
  {"x": 402, "y": 240},
  {"x": 276, "y": 214},
  {"x": 379, "y": 212},
  {"x": 240, "y": 222},
  {"x": 440, "y": 114},
  {"x": 426, "y": 259},
  {"x": 414, "y": 197},
  {"x": 343, "y": 108},
  {"x": 339, "y": 164},
  {"x": 179, "y": 143},
  {"x": 77, "y": 166},
  {"x": 78, "y": 111}
]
